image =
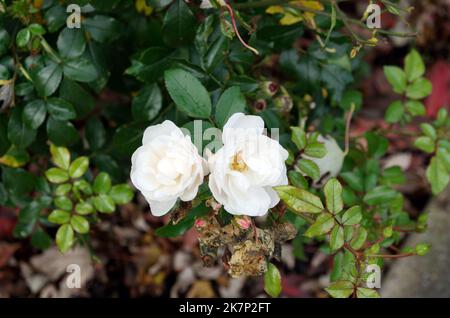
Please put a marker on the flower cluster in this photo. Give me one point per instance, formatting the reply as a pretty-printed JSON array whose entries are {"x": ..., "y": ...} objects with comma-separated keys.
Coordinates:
[{"x": 168, "y": 167}]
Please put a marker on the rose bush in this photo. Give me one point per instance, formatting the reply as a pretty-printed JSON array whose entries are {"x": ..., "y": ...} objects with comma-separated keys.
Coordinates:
[{"x": 121, "y": 90}]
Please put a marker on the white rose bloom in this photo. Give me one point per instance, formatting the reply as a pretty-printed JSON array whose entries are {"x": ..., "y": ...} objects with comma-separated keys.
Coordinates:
[
  {"x": 246, "y": 168},
  {"x": 166, "y": 167},
  {"x": 332, "y": 162}
]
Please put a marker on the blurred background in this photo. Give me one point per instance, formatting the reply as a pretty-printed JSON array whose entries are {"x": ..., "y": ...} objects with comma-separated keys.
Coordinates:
[{"x": 134, "y": 262}]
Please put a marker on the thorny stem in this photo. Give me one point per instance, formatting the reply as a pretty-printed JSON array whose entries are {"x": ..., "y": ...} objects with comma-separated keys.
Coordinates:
[
  {"x": 392, "y": 256},
  {"x": 233, "y": 21},
  {"x": 347, "y": 129}
]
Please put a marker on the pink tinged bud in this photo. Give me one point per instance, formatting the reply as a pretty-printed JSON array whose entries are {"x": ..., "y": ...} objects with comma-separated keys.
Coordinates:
[
  {"x": 200, "y": 223},
  {"x": 244, "y": 223}
]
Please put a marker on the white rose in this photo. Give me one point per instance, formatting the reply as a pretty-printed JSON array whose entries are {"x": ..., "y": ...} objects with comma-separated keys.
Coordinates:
[
  {"x": 166, "y": 167},
  {"x": 246, "y": 168},
  {"x": 332, "y": 162}
]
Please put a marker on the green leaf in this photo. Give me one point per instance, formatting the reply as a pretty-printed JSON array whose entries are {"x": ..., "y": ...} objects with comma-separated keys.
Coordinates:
[
  {"x": 354, "y": 179},
  {"x": 333, "y": 196},
  {"x": 316, "y": 150},
  {"x": 299, "y": 200},
  {"x": 415, "y": 108},
  {"x": 352, "y": 97},
  {"x": 5, "y": 41},
  {"x": 425, "y": 144},
  {"x": 20, "y": 134},
  {"x": 444, "y": 156},
  {"x": 104, "y": 203},
  {"x": 78, "y": 167},
  {"x": 36, "y": 29},
  {"x": 55, "y": 17},
  {"x": 147, "y": 103},
  {"x": 102, "y": 183},
  {"x": 79, "y": 224},
  {"x": 230, "y": 102},
  {"x": 84, "y": 208},
  {"x": 188, "y": 93},
  {"x": 310, "y": 168},
  {"x": 179, "y": 25},
  {"x": 41, "y": 240},
  {"x": 297, "y": 180},
  {"x": 63, "y": 202},
  {"x": 298, "y": 137},
  {"x": 63, "y": 189},
  {"x": 337, "y": 238},
  {"x": 437, "y": 175},
  {"x": 362, "y": 292},
  {"x": 340, "y": 289},
  {"x": 121, "y": 193},
  {"x": 71, "y": 42},
  {"x": 419, "y": 89},
  {"x": 65, "y": 238},
  {"x": 82, "y": 100},
  {"x": 95, "y": 133},
  {"x": 396, "y": 77},
  {"x": 414, "y": 66},
  {"x": 48, "y": 79},
  {"x": 272, "y": 280},
  {"x": 23, "y": 37},
  {"x": 102, "y": 28},
  {"x": 60, "y": 109},
  {"x": 60, "y": 156},
  {"x": 377, "y": 144},
  {"x": 59, "y": 217},
  {"x": 324, "y": 223},
  {"x": 394, "y": 113},
  {"x": 359, "y": 238},
  {"x": 428, "y": 130},
  {"x": 380, "y": 195},
  {"x": 352, "y": 216},
  {"x": 28, "y": 217},
  {"x": 61, "y": 133},
  {"x": 18, "y": 181},
  {"x": 80, "y": 70},
  {"x": 56, "y": 175},
  {"x": 422, "y": 249},
  {"x": 34, "y": 113}
]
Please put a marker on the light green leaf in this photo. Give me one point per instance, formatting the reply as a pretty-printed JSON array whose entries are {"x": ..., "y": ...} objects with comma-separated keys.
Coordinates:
[
  {"x": 316, "y": 150},
  {"x": 437, "y": 175},
  {"x": 394, "y": 112},
  {"x": 102, "y": 183},
  {"x": 104, "y": 203},
  {"x": 56, "y": 175},
  {"x": 324, "y": 223},
  {"x": 64, "y": 238},
  {"x": 60, "y": 156},
  {"x": 299, "y": 200},
  {"x": 333, "y": 196},
  {"x": 415, "y": 108},
  {"x": 352, "y": 216},
  {"x": 419, "y": 89},
  {"x": 59, "y": 217},
  {"x": 340, "y": 289},
  {"x": 337, "y": 237},
  {"x": 63, "y": 202},
  {"x": 84, "y": 208},
  {"x": 272, "y": 281},
  {"x": 380, "y": 195},
  {"x": 78, "y": 167},
  {"x": 298, "y": 137},
  {"x": 79, "y": 224},
  {"x": 121, "y": 193},
  {"x": 362, "y": 292},
  {"x": 310, "y": 168},
  {"x": 414, "y": 66},
  {"x": 359, "y": 238},
  {"x": 425, "y": 144},
  {"x": 396, "y": 77},
  {"x": 428, "y": 130}
]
